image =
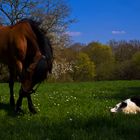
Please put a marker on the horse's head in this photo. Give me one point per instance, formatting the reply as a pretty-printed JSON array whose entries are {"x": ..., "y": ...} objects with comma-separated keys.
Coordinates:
[
  {"x": 39, "y": 63},
  {"x": 37, "y": 73},
  {"x": 43, "y": 67}
]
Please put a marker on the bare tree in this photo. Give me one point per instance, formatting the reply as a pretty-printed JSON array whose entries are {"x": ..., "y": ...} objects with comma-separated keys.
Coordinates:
[
  {"x": 54, "y": 14},
  {"x": 13, "y": 10},
  {"x": 56, "y": 17}
]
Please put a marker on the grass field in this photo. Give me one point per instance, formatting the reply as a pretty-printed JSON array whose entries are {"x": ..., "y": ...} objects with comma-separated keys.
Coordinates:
[{"x": 72, "y": 111}]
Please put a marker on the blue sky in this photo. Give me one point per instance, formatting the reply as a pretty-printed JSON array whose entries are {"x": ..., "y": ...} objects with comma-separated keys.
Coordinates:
[{"x": 103, "y": 20}]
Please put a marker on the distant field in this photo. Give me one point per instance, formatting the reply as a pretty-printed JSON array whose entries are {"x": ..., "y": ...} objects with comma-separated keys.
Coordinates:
[{"x": 72, "y": 111}]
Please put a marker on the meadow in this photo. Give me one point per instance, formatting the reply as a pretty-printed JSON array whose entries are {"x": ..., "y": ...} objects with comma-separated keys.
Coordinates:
[{"x": 71, "y": 111}]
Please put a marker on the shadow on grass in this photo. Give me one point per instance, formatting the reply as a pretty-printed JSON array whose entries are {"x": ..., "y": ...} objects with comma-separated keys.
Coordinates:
[
  {"x": 127, "y": 93},
  {"x": 89, "y": 128},
  {"x": 121, "y": 94},
  {"x": 107, "y": 127},
  {"x": 8, "y": 109}
]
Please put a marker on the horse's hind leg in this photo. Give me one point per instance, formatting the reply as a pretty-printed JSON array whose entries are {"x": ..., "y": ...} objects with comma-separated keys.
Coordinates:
[
  {"x": 30, "y": 105},
  {"x": 11, "y": 86}
]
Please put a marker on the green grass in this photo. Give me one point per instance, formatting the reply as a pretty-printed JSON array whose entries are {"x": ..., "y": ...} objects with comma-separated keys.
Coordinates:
[{"x": 72, "y": 111}]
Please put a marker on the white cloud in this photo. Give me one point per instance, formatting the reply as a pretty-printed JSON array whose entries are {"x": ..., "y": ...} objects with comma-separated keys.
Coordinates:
[
  {"x": 73, "y": 33},
  {"x": 117, "y": 32}
]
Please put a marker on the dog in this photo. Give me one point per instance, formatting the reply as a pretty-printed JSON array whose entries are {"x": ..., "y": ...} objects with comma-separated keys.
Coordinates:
[{"x": 128, "y": 106}]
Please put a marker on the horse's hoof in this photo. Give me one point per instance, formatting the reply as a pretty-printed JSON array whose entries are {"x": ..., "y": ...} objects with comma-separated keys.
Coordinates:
[
  {"x": 19, "y": 111},
  {"x": 12, "y": 103},
  {"x": 33, "y": 111}
]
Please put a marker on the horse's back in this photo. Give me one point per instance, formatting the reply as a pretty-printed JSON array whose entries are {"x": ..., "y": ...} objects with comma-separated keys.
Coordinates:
[
  {"x": 4, "y": 43},
  {"x": 13, "y": 43}
]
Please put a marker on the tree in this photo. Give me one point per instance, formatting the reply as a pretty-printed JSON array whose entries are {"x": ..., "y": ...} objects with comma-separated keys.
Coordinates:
[
  {"x": 99, "y": 53},
  {"x": 54, "y": 14},
  {"x": 56, "y": 17},
  {"x": 136, "y": 65},
  {"x": 124, "y": 50},
  {"x": 103, "y": 58},
  {"x": 136, "y": 59},
  {"x": 126, "y": 55},
  {"x": 77, "y": 47},
  {"x": 14, "y": 10},
  {"x": 83, "y": 68}
]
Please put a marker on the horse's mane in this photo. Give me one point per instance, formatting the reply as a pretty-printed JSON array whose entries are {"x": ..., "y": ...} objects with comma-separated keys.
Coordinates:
[
  {"x": 43, "y": 40},
  {"x": 45, "y": 64}
]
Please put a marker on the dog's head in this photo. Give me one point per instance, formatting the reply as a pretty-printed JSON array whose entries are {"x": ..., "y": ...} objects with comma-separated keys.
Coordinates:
[
  {"x": 127, "y": 106},
  {"x": 119, "y": 107}
]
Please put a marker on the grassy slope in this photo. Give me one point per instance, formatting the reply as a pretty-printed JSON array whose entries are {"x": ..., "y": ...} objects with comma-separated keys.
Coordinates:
[{"x": 77, "y": 111}]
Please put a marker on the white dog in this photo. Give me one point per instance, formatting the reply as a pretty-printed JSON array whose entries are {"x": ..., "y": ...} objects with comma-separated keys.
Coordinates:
[{"x": 131, "y": 106}]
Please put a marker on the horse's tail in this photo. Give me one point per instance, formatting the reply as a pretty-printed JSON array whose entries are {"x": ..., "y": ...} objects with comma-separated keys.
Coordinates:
[{"x": 43, "y": 41}]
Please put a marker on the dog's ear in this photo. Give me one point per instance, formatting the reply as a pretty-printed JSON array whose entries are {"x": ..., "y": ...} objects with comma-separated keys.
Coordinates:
[{"x": 123, "y": 105}]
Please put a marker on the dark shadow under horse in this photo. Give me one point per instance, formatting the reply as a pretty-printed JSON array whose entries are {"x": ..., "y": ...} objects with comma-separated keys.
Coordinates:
[{"x": 28, "y": 53}]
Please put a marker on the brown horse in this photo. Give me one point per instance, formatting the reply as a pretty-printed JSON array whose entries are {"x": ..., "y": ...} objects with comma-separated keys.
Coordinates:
[{"x": 28, "y": 53}]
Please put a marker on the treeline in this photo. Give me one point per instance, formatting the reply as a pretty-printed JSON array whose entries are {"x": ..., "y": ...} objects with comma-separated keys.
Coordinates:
[{"x": 118, "y": 60}]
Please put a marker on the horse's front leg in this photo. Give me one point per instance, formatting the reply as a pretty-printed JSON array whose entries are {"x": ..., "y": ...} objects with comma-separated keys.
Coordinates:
[
  {"x": 23, "y": 94},
  {"x": 19, "y": 102},
  {"x": 30, "y": 105},
  {"x": 19, "y": 68}
]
